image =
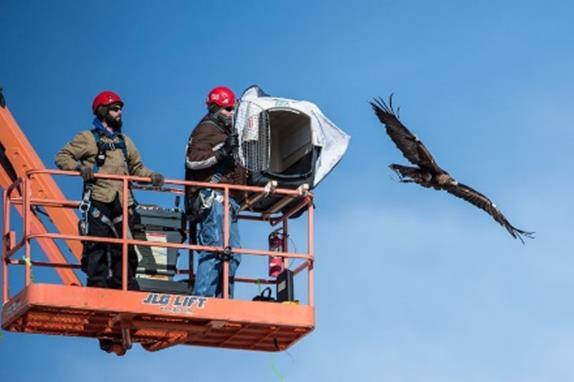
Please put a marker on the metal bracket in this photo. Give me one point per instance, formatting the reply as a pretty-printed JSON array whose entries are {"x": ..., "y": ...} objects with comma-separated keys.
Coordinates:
[
  {"x": 269, "y": 188},
  {"x": 125, "y": 323},
  {"x": 302, "y": 190},
  {"x": 225, "y": 255}
]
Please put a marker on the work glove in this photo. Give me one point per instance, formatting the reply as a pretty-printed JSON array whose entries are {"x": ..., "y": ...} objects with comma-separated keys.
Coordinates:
[
  {"x": 87, "y": 173},
  {"x": 231, "y": 143},
  {"x": 157, "y": 179}
]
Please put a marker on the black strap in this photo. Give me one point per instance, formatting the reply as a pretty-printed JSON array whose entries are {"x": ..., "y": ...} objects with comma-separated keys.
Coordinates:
[
  {"x": 104, "y": 147},
  {"x": 265, "y": 295},
  {"x": 209, "y": 121}
]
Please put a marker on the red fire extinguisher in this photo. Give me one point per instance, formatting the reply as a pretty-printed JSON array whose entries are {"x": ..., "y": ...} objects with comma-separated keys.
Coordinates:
[{"x": 276, "y": 245}]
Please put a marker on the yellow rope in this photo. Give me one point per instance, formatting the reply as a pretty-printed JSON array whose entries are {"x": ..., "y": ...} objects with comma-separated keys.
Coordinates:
[
  {"x": 277, "y": 373},
  {"x": 28, "y": 264}
]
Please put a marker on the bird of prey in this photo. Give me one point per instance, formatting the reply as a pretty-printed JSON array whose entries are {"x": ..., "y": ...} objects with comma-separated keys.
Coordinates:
[{"x": 427, "y": 172}]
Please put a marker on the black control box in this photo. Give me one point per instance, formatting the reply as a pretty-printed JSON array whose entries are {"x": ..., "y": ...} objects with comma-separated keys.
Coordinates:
[{"x": 285, "y": 290}]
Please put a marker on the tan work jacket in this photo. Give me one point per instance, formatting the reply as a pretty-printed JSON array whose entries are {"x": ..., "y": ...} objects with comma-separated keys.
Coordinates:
[{"x": 82, "y": 150}]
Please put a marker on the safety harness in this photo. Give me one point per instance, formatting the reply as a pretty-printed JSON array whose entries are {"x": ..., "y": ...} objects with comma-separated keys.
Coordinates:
[
  {"x": 85, "y": 204},
  {"x": 196, "y": 203},
  {"x": 103, "y": 148}
]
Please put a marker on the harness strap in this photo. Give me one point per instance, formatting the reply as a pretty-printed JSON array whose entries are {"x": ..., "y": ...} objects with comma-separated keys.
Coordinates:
[
  {"x": 212, "y": 122},
  {"x": 111, "y": 223},
  {"x": 103, "y": 148}
]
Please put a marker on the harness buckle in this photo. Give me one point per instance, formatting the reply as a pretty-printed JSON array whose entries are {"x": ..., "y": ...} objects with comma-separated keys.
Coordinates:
[
  {"x": 85, "y": 206},
  {"x": 86, "y": 202}
]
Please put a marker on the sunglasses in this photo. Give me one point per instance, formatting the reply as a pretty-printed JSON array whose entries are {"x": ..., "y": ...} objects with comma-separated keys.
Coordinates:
[
  {"x": 115, "y": 108},
  {"x": 229, "y": 108}
]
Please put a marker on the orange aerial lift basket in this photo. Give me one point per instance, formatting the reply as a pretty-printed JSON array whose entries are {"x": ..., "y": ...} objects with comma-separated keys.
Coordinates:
[{"x": 155, "y": 320}]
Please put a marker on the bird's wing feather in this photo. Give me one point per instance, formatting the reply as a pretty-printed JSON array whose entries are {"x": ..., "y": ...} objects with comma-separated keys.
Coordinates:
[
  {"x": 411, "y": 147},
  {"x": 405, "y": 171},
  {"x": 479, "y": 200}
]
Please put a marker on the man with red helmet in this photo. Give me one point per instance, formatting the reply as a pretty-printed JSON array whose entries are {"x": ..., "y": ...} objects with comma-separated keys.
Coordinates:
[
  {"x": 210, "y": 158},
  {"x": 105, "y": 149}
]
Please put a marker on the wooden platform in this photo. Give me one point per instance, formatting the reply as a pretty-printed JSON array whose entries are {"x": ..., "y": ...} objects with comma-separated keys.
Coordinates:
[{"x": 156, "y": 320}]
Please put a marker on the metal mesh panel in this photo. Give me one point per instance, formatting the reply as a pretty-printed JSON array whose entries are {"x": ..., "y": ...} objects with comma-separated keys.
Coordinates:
[{"x": 252, "y": 124}]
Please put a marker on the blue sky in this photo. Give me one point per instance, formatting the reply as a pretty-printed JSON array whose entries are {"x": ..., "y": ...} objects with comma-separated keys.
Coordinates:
[{"x": 411, "y": 284}]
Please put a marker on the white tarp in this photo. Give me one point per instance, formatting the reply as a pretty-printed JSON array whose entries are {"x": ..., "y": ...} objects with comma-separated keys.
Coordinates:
[{"x": 332, "y": 140}]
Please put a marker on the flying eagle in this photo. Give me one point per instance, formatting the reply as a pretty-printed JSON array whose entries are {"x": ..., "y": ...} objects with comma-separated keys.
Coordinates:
[{"x": 428, "y": 173}]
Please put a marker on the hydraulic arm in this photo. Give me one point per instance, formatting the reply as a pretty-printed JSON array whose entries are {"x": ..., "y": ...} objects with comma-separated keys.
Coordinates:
[{"x": 17, "y": 156}]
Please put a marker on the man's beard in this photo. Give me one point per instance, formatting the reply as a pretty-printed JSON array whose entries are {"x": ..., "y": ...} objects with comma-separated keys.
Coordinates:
[
  {"x": 225, "y": 121},
  {"x": 114, "y": 123}
]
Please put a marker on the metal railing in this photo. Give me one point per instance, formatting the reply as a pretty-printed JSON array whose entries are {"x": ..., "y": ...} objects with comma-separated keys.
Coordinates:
[{"x": 28, "y": 201}]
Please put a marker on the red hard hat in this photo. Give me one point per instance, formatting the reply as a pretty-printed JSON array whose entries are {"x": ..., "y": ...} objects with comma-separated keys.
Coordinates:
[
  {"x": 105, "y": 98},
  {"x": 221, "y": 96}
]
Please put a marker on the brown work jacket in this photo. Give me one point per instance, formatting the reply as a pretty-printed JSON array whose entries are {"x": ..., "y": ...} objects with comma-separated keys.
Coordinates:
[
  {"x": 82, "y": 150},
  {"x": 201, "y": 162}
]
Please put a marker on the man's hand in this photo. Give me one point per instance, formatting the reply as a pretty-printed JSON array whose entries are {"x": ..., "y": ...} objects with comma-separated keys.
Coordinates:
[
  {"x": 231, "y": 143},
  {"x": 157, "y": 179},
  {"x": 87, "y": 173}
]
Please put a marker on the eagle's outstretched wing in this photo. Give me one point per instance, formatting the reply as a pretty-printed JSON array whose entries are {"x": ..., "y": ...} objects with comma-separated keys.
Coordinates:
[
  {"x": 474, "y": 197},
  {"x": 411, "y": 147}
]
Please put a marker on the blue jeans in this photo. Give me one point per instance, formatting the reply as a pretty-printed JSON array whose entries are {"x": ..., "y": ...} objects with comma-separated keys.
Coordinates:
[{"x": 209, "y": 275}]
